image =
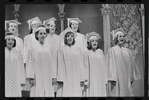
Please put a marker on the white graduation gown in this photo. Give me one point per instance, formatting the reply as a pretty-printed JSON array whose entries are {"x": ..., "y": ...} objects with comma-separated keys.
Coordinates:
[
  {"x": 55, "y": 43},
  {"x": 14, "y": 73},
  {"x": 96, "y": 73},
  {"x": 40, "y": 70},
  {"x": 123, "y": 70},
  {"x": 69, "y": 71},
  {"x": 29, "y": 41},
  {"x": 81, "y": 42}
]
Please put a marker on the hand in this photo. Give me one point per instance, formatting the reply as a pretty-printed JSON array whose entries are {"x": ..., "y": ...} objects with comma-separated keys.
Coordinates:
[
  {"x": 86, "y": 83},
  {"x": 82, "y": 83},
  {"x": 113, "y": 83},
  {"x": 54, "y": 81},
  {"x": 32, "y": 82},
  {"x": 60, "y": 84}
]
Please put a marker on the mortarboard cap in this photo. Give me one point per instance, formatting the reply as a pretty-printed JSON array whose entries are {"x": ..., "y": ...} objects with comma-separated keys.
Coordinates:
[
  {"x": 89, "y": 35},
  {"x": 49, "y": 21},
  {"x": 40, "y": 27},
  {"x": 73, "y": 20},
  {"x": 33, "y": 20},
  {"x": 114, "y": 33},
  {"x": 9, "y": 34},
  {"x": 67, "y": 30},
  {"x": 10, "y": 22}
]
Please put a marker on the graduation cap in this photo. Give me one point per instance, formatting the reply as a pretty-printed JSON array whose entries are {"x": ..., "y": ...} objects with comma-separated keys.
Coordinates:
[
  {"x": 73, "y": 20},
  {"x": 11, "y": 22},
  {"x": 33, "y": 20},
  {"x": 89, "y": 35},
  {"x": 66, "y": 31},
  {"x": 40, "y": 27},
  {"x": 116, "y": 32},
  {"x": 49, "y": 21},
  {"x": 9, "y": 34}
]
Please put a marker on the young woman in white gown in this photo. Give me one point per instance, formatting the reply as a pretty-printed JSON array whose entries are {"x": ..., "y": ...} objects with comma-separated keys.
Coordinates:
[
  {"x": 96, "y": 68},
  {"x": 69, "y": 69},
  {"x": 40, "y": 64},
  {"x": 122, "y": 67},
  {"x": 14, "y": 71}
]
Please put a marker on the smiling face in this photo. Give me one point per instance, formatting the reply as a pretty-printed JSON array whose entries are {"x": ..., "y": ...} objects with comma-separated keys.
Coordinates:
[
  {"x": 74, "y": 26},
  {"x": 52, "y": 27},
  {"x": 10, "y": 42},
  {"x": 69, "y": 38}
]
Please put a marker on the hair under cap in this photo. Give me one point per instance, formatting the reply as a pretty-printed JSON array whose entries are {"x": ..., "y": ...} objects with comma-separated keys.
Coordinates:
[
  {"x": 89, "y": 35},
  {"x": 71, "y": 20},
  {"x": 31, "y": 21},
  {"x": 49, "y": 21}
]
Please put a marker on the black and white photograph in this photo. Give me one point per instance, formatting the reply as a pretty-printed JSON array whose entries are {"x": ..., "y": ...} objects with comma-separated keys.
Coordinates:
[{"x": 74, "y": 50}]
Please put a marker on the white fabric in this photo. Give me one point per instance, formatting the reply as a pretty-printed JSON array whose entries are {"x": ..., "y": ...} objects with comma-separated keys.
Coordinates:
[
  {"x": 15, "y": 24},
  {"x": 122, "y": 70},
  {"x": 96, "y": 73},
  {"x": 41, "y": 70},
  {"x": 29, "y": 41},
  {"x": 74, "y": 21},
  {"x": 19, "y": 48},
  {"x": 55, "y": 43},
  {"x": 9, "y": 36},
  {"x": 69, "y": 71},
  {"x": 14, "y": 75},
  {"x": 40, "y": 28},
  {"x": 92, "y": 37}
]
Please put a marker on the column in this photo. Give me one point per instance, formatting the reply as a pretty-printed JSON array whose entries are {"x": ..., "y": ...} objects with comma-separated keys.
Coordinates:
[
  {"x": 16, "y": 11},
  {"x": 106, "y": 26},
  {"x": 61, "y": 15},
  {"x": 143, "y": 28}
]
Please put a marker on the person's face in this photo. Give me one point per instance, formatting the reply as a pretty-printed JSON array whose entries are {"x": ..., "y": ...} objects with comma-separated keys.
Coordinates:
[
  {"x": 34, "y": 25},
  {"x": 69, "y": 38},
  {"x": 42, "y": 35},
  {"x": 94, "y": 43},
  {"x": 12, "y": 27},
  {"x": 74, "y": 26},
  {"x": 9, "y": 42},
  {"x": 120, "y": 38},
  {"x": 52, "y": 27}
]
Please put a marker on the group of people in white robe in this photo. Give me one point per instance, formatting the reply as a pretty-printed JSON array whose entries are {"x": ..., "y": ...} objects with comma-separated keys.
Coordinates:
[{"x": 70, "y": 64}]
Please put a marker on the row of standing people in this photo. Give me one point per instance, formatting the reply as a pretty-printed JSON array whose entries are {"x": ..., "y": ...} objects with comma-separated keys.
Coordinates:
[{"x": 70, "y": 63}]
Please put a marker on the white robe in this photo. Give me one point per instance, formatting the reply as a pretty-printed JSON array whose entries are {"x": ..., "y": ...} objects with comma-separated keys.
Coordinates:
[
  {"x": 29, "y": 41},
  {"x": 40, "y": 70},
  {"x": 19, "y": 47},
  {"x": 96, "y": 73},
  {"x": 14, "y": 73},
  {"x": 55, "y": 43},
  {"x": 123, "y": 70},
  {"x": 81, "y": 42},
  {"x": 69, "y": 71}
]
